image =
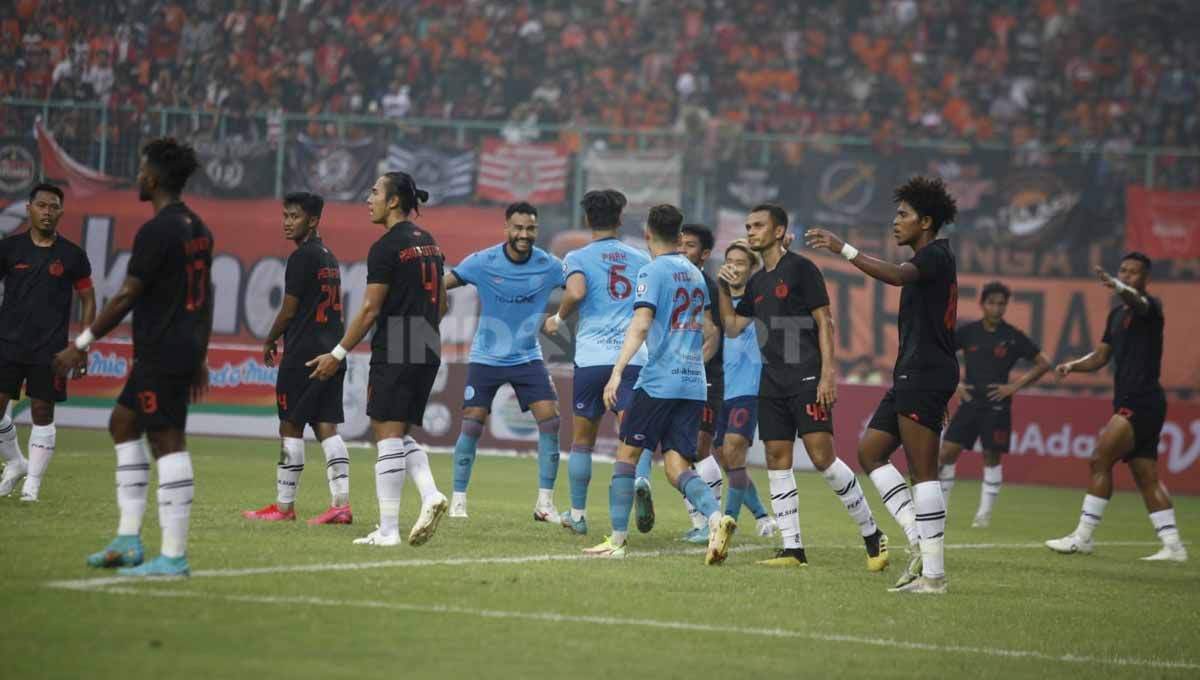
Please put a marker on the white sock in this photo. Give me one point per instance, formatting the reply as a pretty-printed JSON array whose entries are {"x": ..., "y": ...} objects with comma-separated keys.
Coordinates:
[
  {"x": 10, "y": 449},
  {"x": 992, "y": 476},
  {"x": 175, "y": 493},
  {"x": 390, "y": 469},
  {"x": 458, "y": 496},
  {"x": 710, "y": 471},
  {"x": 41, "y": 449},
  {"x": 946, "y": 477},
  {"x": 418, "y": 466},
  {"x": 786, "y": 505},
  {"x": 931, "y": 523},
  {"x": 337, "y": 470},
  {"x": 577, "y": 515},
  {"x": 287, "y": 473},
  {"x": 1090, "y": 516},
  {"x": 843, "y": 482},
  {"x": 1164, "y": 526},
  {"x": 545, "y": 496},
  {"x": 133, "y": 478},
  {"x": 618, "y": 538},
  {"x": 897, "y": 498}
]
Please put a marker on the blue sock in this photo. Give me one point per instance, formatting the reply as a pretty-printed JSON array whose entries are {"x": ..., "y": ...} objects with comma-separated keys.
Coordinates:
[
  {"x": 547, "y": 452},
  {"x": 753, "y": 502},
  {"x": 644, "y": 462},
  {"x": 697, "y": 492},
  {"x": 579, "y": 469},
  {"x": 464, "y": 453},
  {"x": 738, "y": 483},
  {"x": 620, "y": 496}
]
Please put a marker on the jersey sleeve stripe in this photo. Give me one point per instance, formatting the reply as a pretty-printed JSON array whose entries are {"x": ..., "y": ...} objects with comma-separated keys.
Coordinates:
[{"x": 83, "y": 284}]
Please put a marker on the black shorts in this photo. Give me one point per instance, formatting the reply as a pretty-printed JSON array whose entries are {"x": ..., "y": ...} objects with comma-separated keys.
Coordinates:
[
  {"x": 783, "y": 418},
  {"x": 159, "y": 399},
  {"x": 1146, "y": 413},
  {"x": 926, "y": 407},
  {"x": 662, "y": 424},
  {"x": 307, "y": 401},
  {"x": 399, "y": 392},
  {"x": 39, "y": 380},
  {"x": 989, "y": 422},
  {"x": 712, "y": 406}
]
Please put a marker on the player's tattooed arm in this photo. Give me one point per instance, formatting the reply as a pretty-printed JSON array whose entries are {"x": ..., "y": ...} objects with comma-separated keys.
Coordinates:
[
  {"x": 635, "y": 336},
  {"x": 1128, "y": 294},
  {"x": 888, "y": 272},
  {"x": 573, "y": 293},
  {"x": 73, "y": 358},
  {"x": 1091, "y": 362},
  {"x": 733, "y": 322},
  {"x": 287, "y": 311},
  {"x": 326, "y": 365},
  {"x": 827, "y": 385}
]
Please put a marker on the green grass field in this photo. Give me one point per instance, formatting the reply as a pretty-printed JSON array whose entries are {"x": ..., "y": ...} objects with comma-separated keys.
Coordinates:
[{"x": 500, "y": 596}]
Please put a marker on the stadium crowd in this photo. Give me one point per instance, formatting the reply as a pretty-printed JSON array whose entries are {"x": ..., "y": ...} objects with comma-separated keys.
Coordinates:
[{"x": 1058, "y": 71}]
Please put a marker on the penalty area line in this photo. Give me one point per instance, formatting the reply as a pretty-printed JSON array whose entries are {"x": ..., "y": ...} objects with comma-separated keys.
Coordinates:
[{"x": 557, "y": 617}]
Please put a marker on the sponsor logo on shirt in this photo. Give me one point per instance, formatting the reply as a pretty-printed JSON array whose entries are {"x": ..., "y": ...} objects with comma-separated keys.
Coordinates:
[{"x": 20, "y": 266}]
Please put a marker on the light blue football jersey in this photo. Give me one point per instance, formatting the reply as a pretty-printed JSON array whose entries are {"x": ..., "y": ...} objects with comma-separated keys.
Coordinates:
[
  {"x": 512, "y": 301},
  {"x": 609, "y": 267},
  {"x": 674, "y": 288},
  {"x": 743, "y": 362}
]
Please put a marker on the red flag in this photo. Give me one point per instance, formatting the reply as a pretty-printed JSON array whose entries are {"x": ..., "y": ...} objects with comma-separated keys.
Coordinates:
[
  {"x": 1162, "y": 224},
  {"x": 79, "y": 179},
  {"x": 522, "y": 172}
]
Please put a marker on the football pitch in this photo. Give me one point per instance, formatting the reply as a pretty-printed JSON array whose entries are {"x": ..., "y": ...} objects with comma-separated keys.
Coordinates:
[{"x": 498, "y": 595}]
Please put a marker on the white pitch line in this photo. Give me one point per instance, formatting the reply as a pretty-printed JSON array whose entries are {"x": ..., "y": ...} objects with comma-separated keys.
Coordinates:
[
  {"x": 556, "y": 617},
  {"x": 100, "y": 582}
]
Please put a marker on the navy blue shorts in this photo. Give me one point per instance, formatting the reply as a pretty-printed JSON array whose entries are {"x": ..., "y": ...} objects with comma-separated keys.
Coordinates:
[
  {"x": 662, "y": 424},
  {"x": 738, "y": 416},
  {"x": 587, "y": 395},
  {"x": 530, "y": 381}
]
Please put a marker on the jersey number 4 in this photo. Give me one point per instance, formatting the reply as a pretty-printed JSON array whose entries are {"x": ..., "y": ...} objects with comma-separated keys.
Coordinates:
[
  {"x": 333, "y": 300},
  {"x": 683, "y": 318}
]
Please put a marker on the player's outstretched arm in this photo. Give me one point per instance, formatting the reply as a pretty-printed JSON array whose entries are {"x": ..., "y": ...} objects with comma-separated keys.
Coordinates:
[
  {"x": 733, "y": 322},
  {"x": 888, "y": 272},
  {"x": 287, "y": 312},
  {"x": 1089, "y": 363},
  {"x": 634, "y": 337},
  {"x": 1129, "y": 295},
  {"x": 827, "y": 385},
  {"x": 573, "y": 293},
  {"x": 451, "y": 280},
  {"x": 74, "y": 357},
  {"x": 326, "y": 365}
]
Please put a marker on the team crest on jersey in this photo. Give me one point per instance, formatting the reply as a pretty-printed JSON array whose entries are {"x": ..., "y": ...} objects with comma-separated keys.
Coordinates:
[
  {"x": 641, "y": 289},
  {"x": 56, "y": 268},
  {"x": 1000, "y": 351},
  {"x": 1127, "y": 320},
  {"x": 781, "y": 290},
  {"x": 497, "y": 279}
]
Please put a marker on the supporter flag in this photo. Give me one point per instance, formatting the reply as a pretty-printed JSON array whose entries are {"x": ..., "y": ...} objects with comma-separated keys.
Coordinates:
[
  {"x": 1162, "y": 224},
  {"x": 444, "y": 173},
  {"x": 59, "y": 167},
  {"x": 522, "y": 172},
  {"x": 18, "y": 166},
  {"x": 234, "y": 168},
  {"x": 339, "y": 170}
]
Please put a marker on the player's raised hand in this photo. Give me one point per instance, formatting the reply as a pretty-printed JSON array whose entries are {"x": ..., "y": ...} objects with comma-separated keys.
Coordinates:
[
  {"x": 199, "y": 387},
  {"x": 726, "y": 275},
  {"x": 823, "y": 238},
  {"x": 1061, "y": 371},
  {"x": 610, "y": 391},
  {"x": 1108, "y": 281},
  {"x": 70, "y": 361},
  {"x": 269, "y": 351},
  {"x": 788, "y": 238},
  {"x": 326, "y": 366}
]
